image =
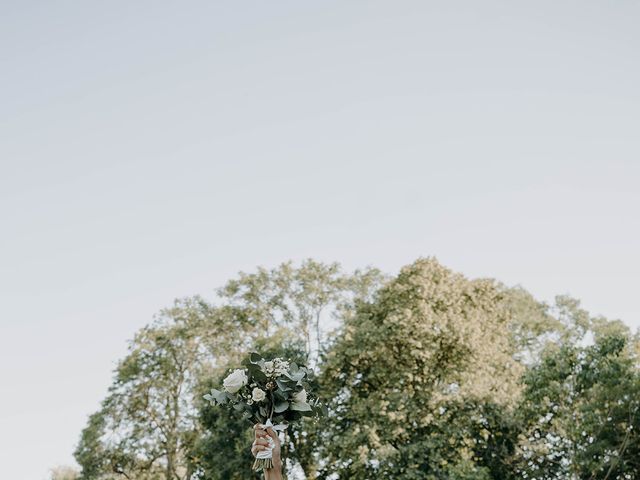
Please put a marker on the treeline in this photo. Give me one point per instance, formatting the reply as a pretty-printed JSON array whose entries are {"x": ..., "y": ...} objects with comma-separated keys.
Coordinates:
[{"x": 427, "y": 375}]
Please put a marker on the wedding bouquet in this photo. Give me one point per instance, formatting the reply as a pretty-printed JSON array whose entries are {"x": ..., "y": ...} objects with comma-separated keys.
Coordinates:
[{"x": 271, "y": 392}]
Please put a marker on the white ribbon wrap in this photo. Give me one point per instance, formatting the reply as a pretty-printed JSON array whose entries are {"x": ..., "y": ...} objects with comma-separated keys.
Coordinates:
[{"x": 268, "y": 452}]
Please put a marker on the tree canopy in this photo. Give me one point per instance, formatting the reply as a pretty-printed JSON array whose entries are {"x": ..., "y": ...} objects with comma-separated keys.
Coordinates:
[{"x": 427, "y": 375}]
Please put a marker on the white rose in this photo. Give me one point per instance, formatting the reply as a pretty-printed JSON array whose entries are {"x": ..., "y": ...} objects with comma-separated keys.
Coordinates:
[
  {"x": 235, "y": 381},
  {"x": 300, "y": 397},
  {"x": 268, "y": 366},
  {"x": 258, "y": 395}
]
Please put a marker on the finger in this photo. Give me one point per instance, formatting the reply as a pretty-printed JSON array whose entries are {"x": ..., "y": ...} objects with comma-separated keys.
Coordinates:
[
  {"x": 258, "y": 426},
  {"x": 260, "y": 443},
  {"x": 274, "y": 435},
  {"x": 257, "y": 447},
  {"x": 255, "y": 450},
  {"x": 261, "y": 434}
]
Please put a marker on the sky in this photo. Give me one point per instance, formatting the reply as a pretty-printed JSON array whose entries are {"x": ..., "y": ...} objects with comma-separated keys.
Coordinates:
[{"x": 150, "y": 150}]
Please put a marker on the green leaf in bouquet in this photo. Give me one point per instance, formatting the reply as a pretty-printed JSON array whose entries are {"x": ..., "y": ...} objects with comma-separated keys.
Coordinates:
[
  {"x": 280, "y": 395},
  {"x": 217, "y": 396},
  {"x": 293, "y": 368},
  {"x": 300, "y": 406},
  {"x": 280, "y": 407},
  {"x": 293, "y": 416},
  {"x": 282, "y": 385},
  {"x": 296, "y": 377},
  {"x": 256, "y": 373},
  {"x": 255, "y": 357},
  {"x": 263, "y": 412},
  {"x": 290, "y": 380}
]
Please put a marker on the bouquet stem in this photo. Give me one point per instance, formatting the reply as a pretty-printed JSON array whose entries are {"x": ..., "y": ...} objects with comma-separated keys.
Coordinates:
[{"x": 262, "y": 464}]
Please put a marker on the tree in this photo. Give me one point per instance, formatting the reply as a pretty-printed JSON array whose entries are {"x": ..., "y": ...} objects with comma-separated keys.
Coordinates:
[
  {"x": 403, "y": 372},
  {"x": 428, "y": 376},
  {"x": 299, "y": 299},
  {"x": 581, "y": 412},
  {"x": 532, "y": 324},
  {"x": 147, "y": 424},
  {"x": 284, "y": 310},
  {"x": 536, "y": 326}
]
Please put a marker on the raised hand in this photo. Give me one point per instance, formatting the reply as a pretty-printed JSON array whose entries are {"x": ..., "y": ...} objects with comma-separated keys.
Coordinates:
[{"x": 261, "y": 443}]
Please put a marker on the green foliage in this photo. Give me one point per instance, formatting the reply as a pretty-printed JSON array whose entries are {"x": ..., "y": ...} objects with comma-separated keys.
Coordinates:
[
  {"x": 297, "y": 298},
  {"x": 427, "y": 376},
  {"x": 402, "y": 371},
  {"x": 147, "y": 424},
  {"x": 581, "y": 413},
  {"x": 282, "y": 385},
  {"x": 283, "y": 309},
  {"x": 222, "y": 451}
]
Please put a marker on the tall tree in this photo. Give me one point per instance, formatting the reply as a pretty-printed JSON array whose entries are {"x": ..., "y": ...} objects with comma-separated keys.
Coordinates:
[
  {"x": 295, "y": 306},
  {"x": 147, "y": 424},
  {"x": 403, "y": 370},
  {"x": 299, "y": 298}
]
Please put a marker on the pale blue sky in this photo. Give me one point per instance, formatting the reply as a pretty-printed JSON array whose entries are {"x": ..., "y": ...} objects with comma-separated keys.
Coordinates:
[{"x": 151, "y": 149}]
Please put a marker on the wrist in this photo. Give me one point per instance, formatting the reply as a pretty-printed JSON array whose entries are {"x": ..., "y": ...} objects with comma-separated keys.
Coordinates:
[
  {"x": 273, "y": 474},
  {"x": 276, "y": 471}
]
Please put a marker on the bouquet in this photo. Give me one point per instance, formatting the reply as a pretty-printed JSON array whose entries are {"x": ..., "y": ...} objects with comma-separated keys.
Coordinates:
[{"x": 272, "y": 392}]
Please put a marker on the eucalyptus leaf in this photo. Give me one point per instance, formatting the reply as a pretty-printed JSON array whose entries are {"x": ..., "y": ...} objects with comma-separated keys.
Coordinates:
[
  {"x": 282, "y": 385},
  {"x": 280, "y": 407},
  {"x": 300, "y": 406},
  {"x": 255, "y": 357},
  {"x": 220, "y": 397},
  {"x": 256, "y": 373},
  {"x": 296, "y": 377}
]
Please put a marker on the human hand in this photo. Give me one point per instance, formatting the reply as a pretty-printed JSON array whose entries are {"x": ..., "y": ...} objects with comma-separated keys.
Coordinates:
[{"x": 261, "y": 443}]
